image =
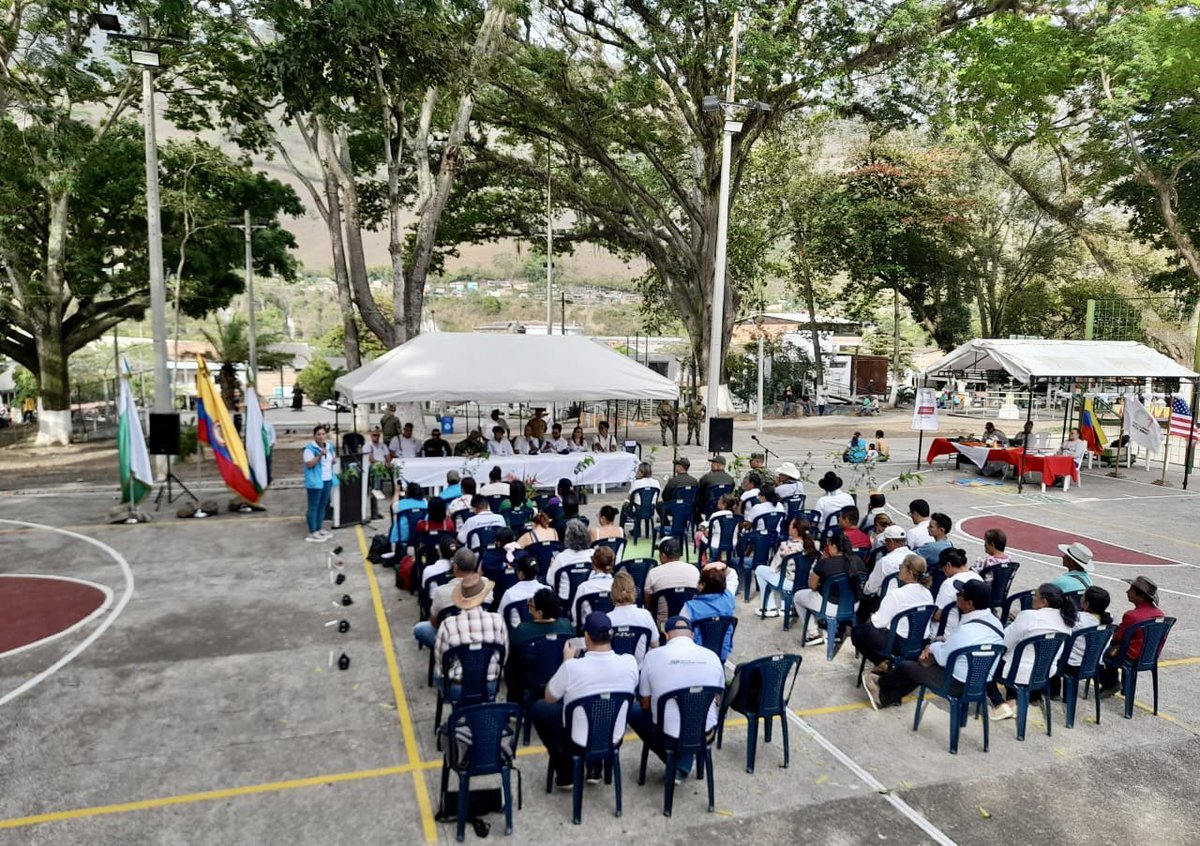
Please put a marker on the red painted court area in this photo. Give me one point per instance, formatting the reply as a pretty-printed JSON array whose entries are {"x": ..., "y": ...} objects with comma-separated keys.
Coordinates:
[
  {"x": 1044, "y": 540},
  {"x": 35, "y": 608}
]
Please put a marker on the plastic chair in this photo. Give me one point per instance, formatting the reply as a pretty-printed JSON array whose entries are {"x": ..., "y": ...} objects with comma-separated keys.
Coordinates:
[
  {"x": 424, "y": 600},
  {"x": 410, "y": 517},
  {"x": 586, "y": 604},
  {"x": 460, "y": 516},
  {"x": 481, "y": 537},
  {"x": 834, "y": 612},
  {"x": 644, "y": 500},
  {"x": 903, "y": 647},
  {"x": 496, "y": 502},
  {"x": 831, "y": 523},
  {"x": 981, "y": 662},
  {"x": 686, "y": 494},
  {"x": 426, "y": 546},
  {"x": 448, "y": 611},
  {"x": 711, "y": 633},
  {"x": 626, "y": 639},
  {"x": 516, "y": 613},
  {"x": 1023, "y": 600},
  {"x": 481, "y": 743},
  {"x": 712, "y": 497},
  {"x": 1095, "y": 641},
  {"x": 693, "y": 704},
  {"x": 676, "y": 523},
  {"x": 795, "y": 506},
  {"x": 638, "y": 569},
  {"x": 543, "y": 552},
  {"x": 1046, "y": 651},
  {"x": 803, "y": 565},
  {"x": 568, "y": 579},
  {"x": 947, "y": 610},
  {"x": 760, "y": 690},
  {"x": 519, "y": 519},
  {"x": 1154, "y": 638},
  {"x": 1001, "y": 578},
  {"x": 474, "y": 659},
  {"x": 888, "y": 581},
  {"x": 761, "y": 547},
  {"x": 603, "y": 712},
  {"x": 540, "y": 659},
  {"x": 671, "y": 601},
  {"x": 725, "y": 530},
  {"x": 617, "y": 545}
]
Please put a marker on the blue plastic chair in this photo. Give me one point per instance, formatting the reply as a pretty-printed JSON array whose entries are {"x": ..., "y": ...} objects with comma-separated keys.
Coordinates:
[
  {"x": 481, "y": 742},
  {"x": 569, "y": 578},
  {"x": 760, "y": 690},
  {"x": 676, "y": 523},
  {"x": 482, "y": 537},
  {"x": 693, "y": 704},
  {"x": 713, "y": 632},
  {"x": 671, "y": 601},
  {"x": 540, "y": 659},
  {"x": 831, "y": 523},
  {"x": 474, "y": 659},
  {"x": 888, "y": 581},
  {"x": 543, "y": 552},
  {"x": 907, "y": 647},
  {"x": 496, "y": 502},
  {"x": 795, "y": 506},
  {"x": 516, "y": 613},
  {"x": 1047, "y": 648},
  {"x": 519, "y": 519},
  {"x": 1000, "y": 577},
  {"x": 410, "y": 517},
  {"x": 424, "y": 599},
  {"x": 1095, "y": 641},
  {"x": 586, "y": 604},
  {"x": 1023, "y": 600},
  {"x": 448, "y": 611},
  {"x": 617, "y": 545},
  {"x": 686, "y": 494},
  {"x": 757, "y": 550},
  {"x": 725, "y": 530},
  {"x": 644, "y": 512},
  {"x": 947, "y": 610},
  {"x": 626, "y": 639},
  {"x": 803, "y": 565},
  {"x": 604, "y": 712},
  {"x": 638, "y": 569},
  {"x": 833, "y": 612},
  {"x": 426, "y": 546},
  {"x": 980, "y": 661},
  {"x": 460, "y": 516},
  {"x": 1154, "y": 638},
  {"x": 712, "y": 497}
]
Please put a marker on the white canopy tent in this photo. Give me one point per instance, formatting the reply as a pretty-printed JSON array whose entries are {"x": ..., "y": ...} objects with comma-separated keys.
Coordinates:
[
  {"x": 1026, "y": 360},
  {"x": 462, "y": 367}
]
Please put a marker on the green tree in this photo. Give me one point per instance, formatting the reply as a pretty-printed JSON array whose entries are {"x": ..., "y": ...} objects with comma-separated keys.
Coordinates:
[
  {"x": 231, "y": 346},
  {"x": 612, "y": 94},
  {"x": 317, "y": 380}
]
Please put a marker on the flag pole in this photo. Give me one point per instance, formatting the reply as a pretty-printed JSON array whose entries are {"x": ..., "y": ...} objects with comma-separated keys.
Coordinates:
[
  {"x": 1162, "y": 480},
  {"x": 1190, "y": 452}
]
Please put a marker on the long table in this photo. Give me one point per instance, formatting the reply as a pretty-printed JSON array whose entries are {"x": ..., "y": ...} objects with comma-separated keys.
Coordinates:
[
  {"x": 1051, "y": 467},
  {"x": 604, "y": 469}
]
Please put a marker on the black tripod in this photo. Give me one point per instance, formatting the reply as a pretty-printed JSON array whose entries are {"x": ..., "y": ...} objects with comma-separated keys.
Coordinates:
[{"x": 168, "y": 489}]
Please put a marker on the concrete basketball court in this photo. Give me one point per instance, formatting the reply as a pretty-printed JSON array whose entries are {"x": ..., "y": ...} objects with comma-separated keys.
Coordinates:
[{"x": 197, "y": 704}]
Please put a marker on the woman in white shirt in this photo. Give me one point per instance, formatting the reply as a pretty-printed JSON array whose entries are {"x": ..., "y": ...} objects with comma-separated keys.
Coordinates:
[
  {"x": 1051, "y": 612},
  {"x": 601, "y": 578},
  {"x": 799, "y": 540},
  {"x": 576, "y": 444},
  {"x": 910, "y": 591},
  {"x": 626, "y": 613},
  {"x": 1093, "y": 612}
]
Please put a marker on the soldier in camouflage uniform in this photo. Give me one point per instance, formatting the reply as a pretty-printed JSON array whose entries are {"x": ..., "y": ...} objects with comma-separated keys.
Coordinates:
[
  {"x": 668, "y": 422},
  {"x": 696, "y": 413}
]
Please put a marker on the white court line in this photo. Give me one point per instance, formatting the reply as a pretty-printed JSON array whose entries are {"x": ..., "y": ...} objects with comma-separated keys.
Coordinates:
[
  {"x": 104, "y": 606},
  {"x": 866, "y": 778},
  {"x": 126, "y": 570}
]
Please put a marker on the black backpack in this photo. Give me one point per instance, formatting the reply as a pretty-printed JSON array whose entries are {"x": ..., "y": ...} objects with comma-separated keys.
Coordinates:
[{"x": 379, "y": 546}]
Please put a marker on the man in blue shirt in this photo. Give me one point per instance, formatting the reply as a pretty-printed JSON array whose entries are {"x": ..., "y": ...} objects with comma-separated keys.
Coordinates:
[
  {"x": 453, "y": 489},
  {"x": 939, "y": 527},
  {"x": 977, "y": 627}
]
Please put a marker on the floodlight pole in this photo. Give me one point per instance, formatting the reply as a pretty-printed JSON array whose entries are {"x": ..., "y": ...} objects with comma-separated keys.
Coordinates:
[
  {"x": 163, "y": 402},
  {"x": 251, "y": 324},
  {"x": 549, "y": 250}
]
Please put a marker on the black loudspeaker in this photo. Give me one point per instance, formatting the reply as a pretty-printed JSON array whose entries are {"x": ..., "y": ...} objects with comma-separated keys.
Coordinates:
[
  {"x": 164, "y": 434},
  {"x": 720, "y": 434}
]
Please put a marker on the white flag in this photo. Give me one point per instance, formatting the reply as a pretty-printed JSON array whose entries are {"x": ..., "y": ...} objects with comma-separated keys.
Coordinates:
[
  {"x": 1141, "y": 426},
  {"x": 257, "y": 445}
]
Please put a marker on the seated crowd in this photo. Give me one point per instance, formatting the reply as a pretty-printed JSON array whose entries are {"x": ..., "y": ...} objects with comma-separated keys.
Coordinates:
[{"x": 538, "y": 581}]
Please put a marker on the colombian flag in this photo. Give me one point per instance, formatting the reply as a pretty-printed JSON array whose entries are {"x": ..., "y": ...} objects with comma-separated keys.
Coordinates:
[
  {"x": 1089, "y": 428},
  {"x": 215, "y": 427}
]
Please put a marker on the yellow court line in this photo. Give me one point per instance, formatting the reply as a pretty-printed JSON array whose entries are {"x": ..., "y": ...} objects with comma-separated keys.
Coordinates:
[
  {"x": 406, "y": 725},
  {"x": 204, "y": 796},
  {"x": 1179, "y": 662}
]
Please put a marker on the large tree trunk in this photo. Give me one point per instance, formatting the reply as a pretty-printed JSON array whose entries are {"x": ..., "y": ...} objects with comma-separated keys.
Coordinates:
[
  {"x": 340, "y": 276},
  {"x": 54, "y": 381}
]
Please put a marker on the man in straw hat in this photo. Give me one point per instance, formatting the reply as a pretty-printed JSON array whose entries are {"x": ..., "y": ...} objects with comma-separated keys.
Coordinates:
[
  {"x": 473, "y": 623},
  {"x": 787, "y": 481},
  {"x": 1077, "y": 558},
  {"x": 1143, "y": 593}
]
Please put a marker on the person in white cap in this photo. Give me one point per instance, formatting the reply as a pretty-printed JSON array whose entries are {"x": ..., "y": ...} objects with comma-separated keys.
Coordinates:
[
  {"x": 1077, "y": 558},
  {"x": 787, "y": 481},
  {"x": 896, "y": 543}
]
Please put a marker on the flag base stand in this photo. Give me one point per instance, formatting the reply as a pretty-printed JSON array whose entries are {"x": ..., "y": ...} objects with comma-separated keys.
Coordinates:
[
  {"x": 1162, "y": 483},
  {"x": 168, "y": 489}
]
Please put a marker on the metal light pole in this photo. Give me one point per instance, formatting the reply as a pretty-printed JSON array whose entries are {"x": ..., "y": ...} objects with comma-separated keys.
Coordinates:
[
  {"x": 158, "y": 289},
  {"x": 251, "y": 325},
  {"x": 549, "y": 252},
  {"x": 717, "y": 325}
]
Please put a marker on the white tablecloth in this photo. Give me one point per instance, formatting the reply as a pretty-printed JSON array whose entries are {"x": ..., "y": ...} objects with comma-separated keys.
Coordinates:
[{"x": 606, "y": 468}]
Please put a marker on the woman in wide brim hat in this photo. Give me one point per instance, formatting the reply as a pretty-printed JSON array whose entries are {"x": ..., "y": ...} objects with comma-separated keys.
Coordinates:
[{"x": 830, "y": 482}]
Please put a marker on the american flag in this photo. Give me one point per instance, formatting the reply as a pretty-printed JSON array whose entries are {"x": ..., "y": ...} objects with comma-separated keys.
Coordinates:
[{"x": 1181, "y": 419}]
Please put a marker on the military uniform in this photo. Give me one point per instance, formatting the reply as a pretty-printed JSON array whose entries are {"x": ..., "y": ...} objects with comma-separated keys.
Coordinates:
[
  {"x": 696, "y": 412},
  {"x": 667, "y": 422}
]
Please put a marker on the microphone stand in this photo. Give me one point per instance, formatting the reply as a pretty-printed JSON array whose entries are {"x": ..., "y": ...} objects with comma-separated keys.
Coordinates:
[{"x": 766, "y": 451}]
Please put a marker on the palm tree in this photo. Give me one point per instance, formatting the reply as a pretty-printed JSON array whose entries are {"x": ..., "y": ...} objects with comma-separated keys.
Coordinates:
[{"x": 231, "y": 344}]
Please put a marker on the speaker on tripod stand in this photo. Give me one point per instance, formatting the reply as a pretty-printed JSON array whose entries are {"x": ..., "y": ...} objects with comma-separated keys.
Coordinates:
[
  {"x": 720, "y": 434},
  {"x": 164, "y": 440}
]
